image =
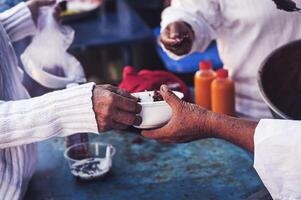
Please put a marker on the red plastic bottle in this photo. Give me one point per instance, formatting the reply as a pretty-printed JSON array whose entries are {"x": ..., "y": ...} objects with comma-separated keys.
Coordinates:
[{"x": 202, "y": 84}]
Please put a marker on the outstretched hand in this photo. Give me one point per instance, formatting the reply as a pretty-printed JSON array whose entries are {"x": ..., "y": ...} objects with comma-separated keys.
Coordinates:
[{"x": 189, "y": 122}]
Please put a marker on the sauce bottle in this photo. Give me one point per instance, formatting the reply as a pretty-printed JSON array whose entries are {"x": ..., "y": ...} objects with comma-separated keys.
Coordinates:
[
  {"x": 202, "y": 84},
  {"x": 223, "y": 94}
]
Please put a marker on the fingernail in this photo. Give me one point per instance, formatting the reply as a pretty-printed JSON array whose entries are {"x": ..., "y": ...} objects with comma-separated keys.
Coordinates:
[
  {"x": 139, "y": 108},
  {"x": 164, "y": 88},
  {"x": 138, "y": 121}
]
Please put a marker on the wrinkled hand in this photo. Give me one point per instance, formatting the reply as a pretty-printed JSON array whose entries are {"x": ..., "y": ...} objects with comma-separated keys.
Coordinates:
[
  {"x": 115, "y": 108},
  {"x": 178, "y": 38},
  {"x": 189, "y": 122},
  {"x": 35, "y": 5}
]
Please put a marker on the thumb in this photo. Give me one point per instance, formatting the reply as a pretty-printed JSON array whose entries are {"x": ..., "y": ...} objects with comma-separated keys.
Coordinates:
[
  {"x": 156, "y": 134},
  {"x": 169, "y": 96},
  {"x": 174, "y": 31}
]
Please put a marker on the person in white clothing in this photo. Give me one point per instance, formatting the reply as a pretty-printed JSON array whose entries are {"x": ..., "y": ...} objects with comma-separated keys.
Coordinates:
[
  {"x": 246, "y": 31},
  {"x": 275, "y": 143},
  {"x": 24, "y": 121}
]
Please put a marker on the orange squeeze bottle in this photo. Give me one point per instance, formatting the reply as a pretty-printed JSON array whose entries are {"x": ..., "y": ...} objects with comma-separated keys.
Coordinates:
[
  {"x": 223, "y": 94},
  {"x": 202, "y": 84}
]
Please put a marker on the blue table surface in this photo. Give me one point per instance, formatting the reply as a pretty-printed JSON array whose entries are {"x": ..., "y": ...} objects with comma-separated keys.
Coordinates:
[
  {"x": 122, "y": 27},
  {"x": 145, "y": 169}
]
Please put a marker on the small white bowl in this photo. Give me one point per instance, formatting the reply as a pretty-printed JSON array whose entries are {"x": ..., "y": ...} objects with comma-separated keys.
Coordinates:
[{"x": 154, "y": 114}]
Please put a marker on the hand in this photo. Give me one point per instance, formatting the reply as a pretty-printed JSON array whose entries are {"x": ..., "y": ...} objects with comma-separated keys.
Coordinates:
[
  {"x": 57, "y": 12},
  {"x": 35, "y": 5},
  {"x": 189, "y": 122},
  {"x": 178, "y": 38},
  {"x": 115, "y": 108}
]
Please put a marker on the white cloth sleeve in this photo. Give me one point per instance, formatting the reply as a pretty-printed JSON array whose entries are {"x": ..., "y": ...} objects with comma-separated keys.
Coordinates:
[
  {"x": 278, "y": 157},
  {"x": 61, "y": 113},
  {"x": 203, "y": 16},
  {"x": 18, "y": 22}
]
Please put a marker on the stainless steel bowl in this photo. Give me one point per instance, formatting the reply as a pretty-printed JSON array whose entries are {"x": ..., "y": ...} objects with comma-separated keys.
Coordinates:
[{"x": 276, "y": 69}]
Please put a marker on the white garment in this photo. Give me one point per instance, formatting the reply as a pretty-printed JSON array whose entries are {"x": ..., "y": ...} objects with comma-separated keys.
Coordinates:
[
  {"x": 278, "y": 157},
  {"x": 24, "y": 122},
  {"x": 246, "y": 31}
]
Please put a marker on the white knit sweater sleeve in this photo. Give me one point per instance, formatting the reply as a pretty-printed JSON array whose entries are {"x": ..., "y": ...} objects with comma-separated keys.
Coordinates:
[
  {"x": 203, "y": 16},
  {"x": 60, "y": 113},
  {"x": 18, "y": 22}
]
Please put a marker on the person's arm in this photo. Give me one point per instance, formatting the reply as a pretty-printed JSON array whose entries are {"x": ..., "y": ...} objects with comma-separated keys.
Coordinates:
[
  {"x": 275, "y": 143},
  {"x": 190, "y": 122},
  {"x": 60, "y": 113},
  {"x": 197, "y": 19},
  {"x": 234, "y": 130},
  {"x": 20, "y": 21},
  {"x": 81, "y": 109}
]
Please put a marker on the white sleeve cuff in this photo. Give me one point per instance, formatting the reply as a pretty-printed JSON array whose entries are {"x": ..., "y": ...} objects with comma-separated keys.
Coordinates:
[
  {"x": 18, "y": 22},
  {"x": 61, "y": 113},
  {"x": 277, "y": 156},
  {"x": 75, "y": 110},
  {"x": 204, "y": 33}
]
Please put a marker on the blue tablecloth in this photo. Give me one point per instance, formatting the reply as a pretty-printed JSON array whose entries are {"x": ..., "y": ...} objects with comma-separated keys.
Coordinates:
[{"x": 144, "y": 169}]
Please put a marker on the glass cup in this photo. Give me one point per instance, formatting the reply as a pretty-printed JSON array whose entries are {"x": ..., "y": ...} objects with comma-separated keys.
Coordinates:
[{"x": 88, "y": 161}]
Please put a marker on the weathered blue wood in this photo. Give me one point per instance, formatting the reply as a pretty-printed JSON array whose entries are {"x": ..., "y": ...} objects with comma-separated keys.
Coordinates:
[
  {"x": 122, "y": 27},
  {"x": 146, "y": 170}
]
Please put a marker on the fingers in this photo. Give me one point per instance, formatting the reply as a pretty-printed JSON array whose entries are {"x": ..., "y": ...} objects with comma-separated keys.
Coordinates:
[
  {"x": 127, "y": 104},
  {"x": 118, "y": 126},
  {"x": 156, "y": 134},
  {"x": 169, "y": 96},
  {"x": 178, "y": 38},
  {"x": 166, "y": 40},
  {"x": 113, "y": 110},
  {"x": 120, "y": 91},
  {"x": 125, "y": 94},
  {"x": 175, "y": 31},
  {"x": 164, "y": 132},
  {"x": 126, "y": 118}
]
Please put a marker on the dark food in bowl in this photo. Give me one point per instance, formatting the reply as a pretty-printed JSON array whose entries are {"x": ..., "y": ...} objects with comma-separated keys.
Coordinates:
[
  {"x": 56, "y": 71},
  {"x": 156, "y": 96},
  {"x": 280, "y": 80},
  {"x": 183, "y": 45},
  {"x": 88, "y": 169}
]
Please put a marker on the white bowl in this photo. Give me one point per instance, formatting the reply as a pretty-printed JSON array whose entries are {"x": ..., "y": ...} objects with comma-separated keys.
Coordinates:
[{"x": 154, "y": 114}]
